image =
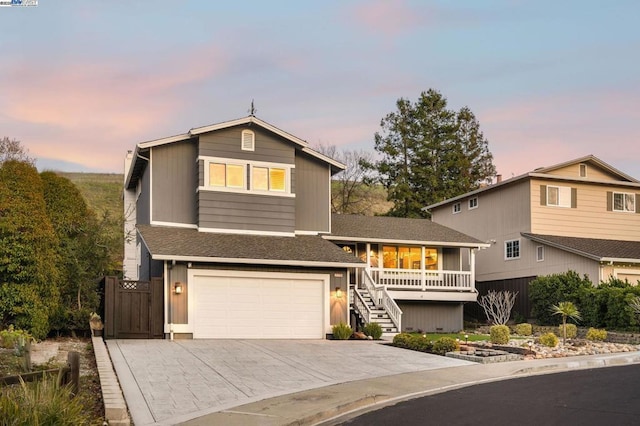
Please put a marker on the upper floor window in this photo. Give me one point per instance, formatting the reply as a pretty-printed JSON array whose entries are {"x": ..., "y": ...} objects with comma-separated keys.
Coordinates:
[
  {"x": 624, "y": 202},
  {"x": 512, "y": 249},
  {"x": 473, "y": 203},
  {"x": 540, "y": 253},
  {"x": 233, "y": 175},
  {"x": 248, "y": 140},
  {"x": 268, "y": 179},
  {"x": 558, "y": 196},
  {"x": 456, "y": 208},
  {"x": 226, "y": 175}
]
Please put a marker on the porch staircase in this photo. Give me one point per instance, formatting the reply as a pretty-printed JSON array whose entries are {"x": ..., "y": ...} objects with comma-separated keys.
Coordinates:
[{"x": 377, "y": 315}]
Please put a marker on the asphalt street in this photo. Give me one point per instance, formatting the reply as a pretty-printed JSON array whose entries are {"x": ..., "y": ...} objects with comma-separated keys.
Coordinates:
[{"x": 604, "y": 396}]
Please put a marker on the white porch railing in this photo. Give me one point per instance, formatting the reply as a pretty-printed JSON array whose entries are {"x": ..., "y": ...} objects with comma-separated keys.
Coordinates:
[
  {"x": 423, "y": 280},
  {"x": 382, "y": 299}
]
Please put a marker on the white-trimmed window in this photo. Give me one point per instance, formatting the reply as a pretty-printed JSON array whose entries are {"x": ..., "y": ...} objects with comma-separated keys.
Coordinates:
[
  {"x": 559, "y": 196},
  {"x": 244, "y": 176},
  {"x": 583, "y": 170},
  {"x": 624, "y": 202},
  {"x": 539, "y": 253},
  {"x": 512, "y": 249},
  {"x": 248, "y": 140},
  {"x": 227, "y": 175},
  {"x": 268, "y": 179},
  {"x": 456, "y": 208},
  {"x": 473, "y": 203}
]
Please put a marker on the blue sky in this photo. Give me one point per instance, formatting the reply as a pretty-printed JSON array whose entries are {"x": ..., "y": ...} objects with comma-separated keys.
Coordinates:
[{"x": 549, "y": 81}]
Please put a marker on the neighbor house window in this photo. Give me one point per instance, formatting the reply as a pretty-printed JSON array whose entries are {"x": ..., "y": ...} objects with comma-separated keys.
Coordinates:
[
  {"x": 583, "y": 170},
  {"x": 558, "y": 196},
  {"x": 473, "y": 203},
  {"x": 226, "y": 175},
  {"x": 512, "y": 249},
  {"x": 540, "y": 253},
  {"x": 624, "y": 202},
  {"x": 456, "y": 208}
]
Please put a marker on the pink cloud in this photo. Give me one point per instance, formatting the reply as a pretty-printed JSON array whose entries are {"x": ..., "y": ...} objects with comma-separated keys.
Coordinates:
[
  {"x": 543, "y": 131},
  {"x": 79, "y": 111},
  {"x": 389, "y": 17}
]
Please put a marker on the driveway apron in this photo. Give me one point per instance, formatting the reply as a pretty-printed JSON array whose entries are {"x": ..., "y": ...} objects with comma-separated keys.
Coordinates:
[{"x": 169, "y": 381}]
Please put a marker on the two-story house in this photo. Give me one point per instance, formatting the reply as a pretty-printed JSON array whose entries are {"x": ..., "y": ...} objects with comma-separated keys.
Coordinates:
[
  {"x": 234, "y": 221},
  {"x": 581, "y": 215}
]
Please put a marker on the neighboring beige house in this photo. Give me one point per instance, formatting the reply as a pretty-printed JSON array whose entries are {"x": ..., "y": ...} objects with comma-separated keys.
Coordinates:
[{"x": 581, "y": 215}]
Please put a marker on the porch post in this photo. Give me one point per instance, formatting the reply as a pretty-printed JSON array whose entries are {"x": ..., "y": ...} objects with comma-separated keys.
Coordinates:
[
  {"x": 472, "y": 261},
  {"x": 423, "y": 275}
]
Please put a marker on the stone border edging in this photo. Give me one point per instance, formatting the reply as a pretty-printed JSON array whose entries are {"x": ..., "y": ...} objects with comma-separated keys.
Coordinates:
[{"x": 115, "y": 407}]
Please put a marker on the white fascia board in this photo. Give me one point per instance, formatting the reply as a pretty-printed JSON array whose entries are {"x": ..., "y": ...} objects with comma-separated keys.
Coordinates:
[
  {"x": 411, "y": 242},
  {"x": 434, "y": 295},
  {"x": 619, "y": 260},
  {"x": 248, "y": 120},
  {"x": 163, "y": 141},
  {"x": 257, "y": 261},
  {"x": 127, "y": 178},
  {"x": 610, "y": 183},
  {"x": 324, "y": 158}
]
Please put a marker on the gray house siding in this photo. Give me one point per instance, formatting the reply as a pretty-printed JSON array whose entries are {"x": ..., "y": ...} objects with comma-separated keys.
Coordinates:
[
  {"x": 226, "y": 144},
  {"x": 144, "y": 199},
  {"x": 451, "y": 259},
  {"x": 313, "y": 185},
  {"x": 228, "y": 210},
  {"x": 431, "y": 317},
  {"x": 174, "y": 183}
]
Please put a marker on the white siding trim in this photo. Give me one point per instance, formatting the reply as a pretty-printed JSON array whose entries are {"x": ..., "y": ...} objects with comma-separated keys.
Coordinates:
[
  {"x": 246, "y": 232},
  {"x": 244, "y": 191},
  {"x": 409, "y": 242},
  {"x": 174, "y": 224},
  {"x": 257, "y": 261}
]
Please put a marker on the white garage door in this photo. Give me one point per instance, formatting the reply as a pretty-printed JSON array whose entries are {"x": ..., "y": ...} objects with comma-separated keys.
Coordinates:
[{"x": 258, "y": 307}]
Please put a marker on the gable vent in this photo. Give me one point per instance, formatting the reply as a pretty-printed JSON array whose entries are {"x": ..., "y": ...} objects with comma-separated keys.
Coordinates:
[{"x": 248, "y": 140}]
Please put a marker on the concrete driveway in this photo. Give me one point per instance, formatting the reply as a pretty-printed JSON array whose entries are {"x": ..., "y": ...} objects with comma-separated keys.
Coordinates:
[{"x": 167, "y": 382}]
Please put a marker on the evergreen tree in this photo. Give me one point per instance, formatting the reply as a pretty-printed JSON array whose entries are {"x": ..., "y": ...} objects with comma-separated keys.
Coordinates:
[
  {"x": 430, "y": 153},
  {"x": 83, "y": 258},
  {"x": 29, "y": 275}
]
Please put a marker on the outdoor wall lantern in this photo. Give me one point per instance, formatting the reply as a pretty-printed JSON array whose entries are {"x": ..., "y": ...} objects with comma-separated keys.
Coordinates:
[
  {"x": 338, "y": 293},
  {"x": 177, "y": 288}
]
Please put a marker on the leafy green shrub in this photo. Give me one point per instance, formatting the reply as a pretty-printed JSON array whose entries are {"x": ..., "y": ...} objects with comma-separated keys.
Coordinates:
[
  {"x": 549, "y": 339},
  {"x": 524, "y": 329},
  {"x": 572, "y": 330},
  {"x": 444, "y": 345},
  {"x": 341, "y": 331},
  {"x": 418, "y": 342},
  {"x": 374, "y": 330},
  {"x": 551, "y": 290},
  {"x": 596, "y": 335},
  {"x": 499, "y": 334},
  {"x": 12, "y": 338},
  {"x": 41, "y": 403},
  {"x": 402, "y": 340}
]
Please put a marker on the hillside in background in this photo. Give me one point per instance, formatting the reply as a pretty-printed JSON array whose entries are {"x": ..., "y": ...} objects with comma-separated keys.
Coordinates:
[{"x": 103, "y": 194}]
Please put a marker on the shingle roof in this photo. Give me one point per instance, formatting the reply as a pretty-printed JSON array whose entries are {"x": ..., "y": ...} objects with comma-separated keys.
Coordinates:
[
  {"x": 384, "y": 228},
  {"x": 593, "y": 248},
  {"x": 166, "y": 243}
]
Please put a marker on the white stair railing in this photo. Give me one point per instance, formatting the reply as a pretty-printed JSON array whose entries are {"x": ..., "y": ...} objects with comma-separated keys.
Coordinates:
[
  {"x": 361, "y": 306},
  {"x": 382, "y": 299}
]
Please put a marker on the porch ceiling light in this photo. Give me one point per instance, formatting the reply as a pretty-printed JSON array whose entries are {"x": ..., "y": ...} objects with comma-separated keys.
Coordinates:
[
  {"x": 177, "y": 288},
  {"x": 338, "y": 293}
]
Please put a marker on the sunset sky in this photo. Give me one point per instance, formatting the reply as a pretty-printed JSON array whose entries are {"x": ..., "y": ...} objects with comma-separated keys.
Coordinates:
[{"x": 84, "y": 81}]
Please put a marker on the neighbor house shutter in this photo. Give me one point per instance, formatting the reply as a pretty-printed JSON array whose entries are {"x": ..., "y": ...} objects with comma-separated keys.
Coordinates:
[
  {"x": 574, "y": 198},
  {"x": 609, "y": 201},
  {"x": 543, "y": 195}
]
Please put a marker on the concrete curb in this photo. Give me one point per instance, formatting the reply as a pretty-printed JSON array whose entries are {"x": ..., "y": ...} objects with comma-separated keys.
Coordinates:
[{"x": 115, "y": 408}]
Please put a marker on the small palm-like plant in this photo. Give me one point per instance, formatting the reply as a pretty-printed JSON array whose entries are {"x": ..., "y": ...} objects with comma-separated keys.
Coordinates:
[{"x": 567, "y": 310}]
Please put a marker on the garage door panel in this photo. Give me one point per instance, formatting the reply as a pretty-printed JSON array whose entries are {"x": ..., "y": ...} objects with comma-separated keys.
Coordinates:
[{"x": 264, "y": 307}]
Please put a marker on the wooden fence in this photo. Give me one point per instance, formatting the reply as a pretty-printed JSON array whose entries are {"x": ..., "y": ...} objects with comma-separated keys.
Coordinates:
[
  {"x": 67, "y": 375},
  {"x": 522, "y": 306}
]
